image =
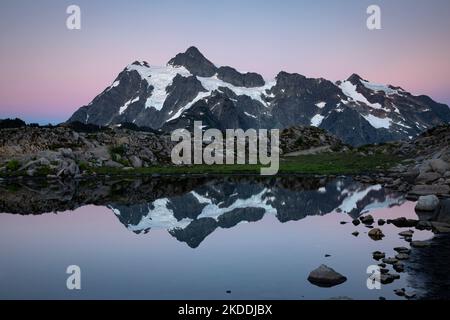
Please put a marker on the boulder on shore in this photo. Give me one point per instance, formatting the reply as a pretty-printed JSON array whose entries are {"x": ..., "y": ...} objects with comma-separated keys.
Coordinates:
[{"x": 427, "y": 203}]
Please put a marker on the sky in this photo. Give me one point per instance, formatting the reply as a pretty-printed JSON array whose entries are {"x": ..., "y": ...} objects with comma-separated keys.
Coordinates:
[{"x": 49, "y": 71}]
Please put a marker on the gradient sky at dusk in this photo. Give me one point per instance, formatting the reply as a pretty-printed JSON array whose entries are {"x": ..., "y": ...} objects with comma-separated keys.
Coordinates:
[{"x": 48, "y": 71}]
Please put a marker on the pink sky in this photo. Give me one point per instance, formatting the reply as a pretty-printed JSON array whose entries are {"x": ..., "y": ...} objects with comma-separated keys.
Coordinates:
[{"x": 48, "y": 72}]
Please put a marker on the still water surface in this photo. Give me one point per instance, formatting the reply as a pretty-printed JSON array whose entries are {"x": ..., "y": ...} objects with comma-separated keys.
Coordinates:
[{"x": 197, "y": 238}]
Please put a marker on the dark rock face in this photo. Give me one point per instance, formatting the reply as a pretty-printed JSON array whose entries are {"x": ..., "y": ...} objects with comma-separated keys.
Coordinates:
[
  {"x": 195, "y": 232},
  {"x": 195, "y": 62},
  {"x": 105, "y": 108},
  {"x": 307, "y": 139},
  {"x": 355, "y": 110},
  {"x": 295, "y": 98},
  {"x": 248, "y": 80},
  {"x": 353, "y": 129}
]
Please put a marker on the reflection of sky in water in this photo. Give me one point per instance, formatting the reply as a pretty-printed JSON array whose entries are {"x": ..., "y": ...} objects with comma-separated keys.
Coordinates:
[{"x": 262, "y": 260}]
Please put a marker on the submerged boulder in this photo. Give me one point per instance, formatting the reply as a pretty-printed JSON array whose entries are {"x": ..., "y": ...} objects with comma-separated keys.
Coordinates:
[{"x": 326, "y": 277}]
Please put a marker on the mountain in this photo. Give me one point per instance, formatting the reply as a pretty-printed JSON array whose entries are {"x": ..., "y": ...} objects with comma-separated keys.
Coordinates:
[{"x": 190, "y": 87}]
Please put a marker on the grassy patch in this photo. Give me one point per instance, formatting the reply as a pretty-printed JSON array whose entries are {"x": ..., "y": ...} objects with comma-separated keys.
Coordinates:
[
  {"x": 120, "y": 150},
  {"x": 338, "y": 163},
  {"x": 13, "y": 165},
  {"x": 327, "y": 163}
]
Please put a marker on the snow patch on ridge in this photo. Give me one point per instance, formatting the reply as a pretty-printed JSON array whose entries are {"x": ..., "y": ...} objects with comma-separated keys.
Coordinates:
[
  {"x": 255, "y": 201},
  {"x": 379, "y": 87},
  {"x": 349, "y": 89},
  {"x": 377, "y": 122},
  {"x": 127, "y": 104},
  {"x": 351, "y": 201},
  {"x": 158, "y": 217},
  {"x": 257, "y": 93},
  {"x": 317, "y": 120},
  {"x": 321, "y": 105},
  {"x": 159, "y": 78}
]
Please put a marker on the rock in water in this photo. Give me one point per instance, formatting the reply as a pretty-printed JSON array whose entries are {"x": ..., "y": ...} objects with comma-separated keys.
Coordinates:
[
  {"x": 406, "y": 234},
  {"x": 377, "y": 255},
  {"x": 376, "y": 234},
  {"x": 402, "y": 250},
  {"x": 402, "y": 256},
  {"x": 326, "y": 277},
  {"x": 444, "y": 211},
  {"x": 403, "y": 222},
  {"x": 367, "y": 220},
  {"x": 427, "y": 203},
  {"x": 420, "y": 244}
]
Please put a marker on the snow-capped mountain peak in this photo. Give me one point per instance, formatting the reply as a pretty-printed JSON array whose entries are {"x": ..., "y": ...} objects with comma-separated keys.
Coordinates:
[{"x": 190, "y": 87}]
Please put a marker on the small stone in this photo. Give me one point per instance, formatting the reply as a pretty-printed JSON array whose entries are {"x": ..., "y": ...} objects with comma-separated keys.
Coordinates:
[
  {"x": 384, "y": 271},
  {"x": 356, "y": 233},
  {"x": 367, "y": 219},
  {"x": 427, "y": 177},
  {"x": 400, "y": 292},
  {"x": 381, "y": 222},
  {"x": 406, "y": 234},
  {"x": 439, "y": 166},
  {"x": 390, "y": 261},
  {"x": 420, "y": 244},
  {"x": 402, "y": 256},
  {"x": 387, "y": 278},
  {"x": 396, "y": 276},
  {"x": 440, "y": 227},
  {"x": 136, "y": 162},
  {"x": 403, "y": 222},
  {"x": 376, "y": 234},
  {"x": 327, "y": 255},
  {"x": 410, "y": 295},
  {"x": 399, "y": 267},
  {"x": 424, "y": 225},
  {"x": 356, "y": 222},
  {"x": 377, "y": 255},
  {"x": 425, "y": 190},
  {"x": 343, "y": 222},
  {"x": 402, "y": 250}
]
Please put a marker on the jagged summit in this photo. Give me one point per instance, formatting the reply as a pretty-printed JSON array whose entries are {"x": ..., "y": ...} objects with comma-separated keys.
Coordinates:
[
  {"x": 194, "y": 61},
  {"x": 190, "y": 87},
  {"x": 355, "y": 78}
]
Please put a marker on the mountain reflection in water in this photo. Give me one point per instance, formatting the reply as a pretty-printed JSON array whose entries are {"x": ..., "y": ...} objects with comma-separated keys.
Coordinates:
[{"x": 192, "y": 208}]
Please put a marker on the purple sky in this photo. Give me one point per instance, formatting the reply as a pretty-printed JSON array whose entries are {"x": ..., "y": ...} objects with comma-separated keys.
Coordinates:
[{"x": 49, "y": 71}]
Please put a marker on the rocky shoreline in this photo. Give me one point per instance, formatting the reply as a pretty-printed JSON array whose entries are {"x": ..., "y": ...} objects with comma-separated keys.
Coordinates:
[
  {"x": 425, "y": 170},
  {"x": 76, "y": 150}
]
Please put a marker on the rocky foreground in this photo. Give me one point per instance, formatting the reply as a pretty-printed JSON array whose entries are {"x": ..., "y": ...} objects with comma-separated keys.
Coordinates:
[
  {"x": 425, "y": 169},
  {"x": 63, "y": 151},
  {"x": 70, "y": 151}
]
